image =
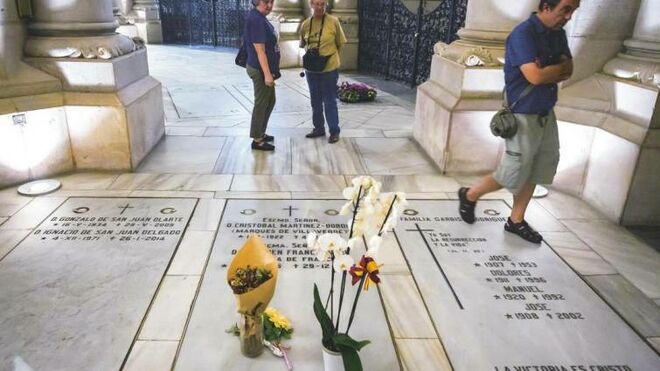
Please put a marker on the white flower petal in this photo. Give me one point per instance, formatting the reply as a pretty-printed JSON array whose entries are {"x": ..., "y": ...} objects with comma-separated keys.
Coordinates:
[
  {"x": 347, "y": 209},
  {"x": 343, "y": 263}
]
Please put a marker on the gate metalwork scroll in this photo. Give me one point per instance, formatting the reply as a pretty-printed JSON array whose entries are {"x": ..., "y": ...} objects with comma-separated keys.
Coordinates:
[
  {"x": 203, "y": 22},
  {"x": 398, "y": 43}
]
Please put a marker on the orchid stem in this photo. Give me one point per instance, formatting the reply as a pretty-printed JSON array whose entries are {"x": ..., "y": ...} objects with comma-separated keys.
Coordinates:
[
  {"x": 389, "y": 211},
  {"x": 341, "y": 299},
  {"x": 357, "y": 297}
]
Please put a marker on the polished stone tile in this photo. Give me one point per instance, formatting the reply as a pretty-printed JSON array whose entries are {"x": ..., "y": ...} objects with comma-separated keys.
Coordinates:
[
  {"x": 185, "y": 131},
  {"x": 207, "y": 215},
  {"x": 563, "y": 206},
  {"x": 10, "y": 238},
  {"x": 638, "y": 310},
  {"x": 405, "y": 309},
  {"x": 635, "y": 260},
  {"x": 237, "y": 157},
  {"x": 174, "y": 194},
  {"x": 539, "y": 218},
  {"x": 416, "y": 183},
  {"x": 288, "y": 183},
  {"x": 192, "y": 253},
  {"x": 394, "y": 156},
  {"x": 577, "y": 254},
  {"x": 87, "y": 180},
  {"x": 391, "y": 257},
  {"x": 209, "y": 101},
  {"x": 655, "y": 342},
  {"x": 173, "y": 182},
  {"x": 398, "y": 133},
  {"x": 89, "y": 193},
  {"x": 34, "y": 213},
  {"x": 10, "y": 203},
  {"x": 183, "y": 155},
  {"x": 423, "y": 355},
  {"x": 152, "y": 356},
  {"x": 3, "y": 219},
  {"x": 61, "y": 296},
  {"x": 169, "y": 312},
  {"x": 427, "y": 196},
  {"x": 317, "y": 156},
  {"x": 391, "y": 118},
  {"x": 255, "y": 195},
  {"x": 317, "y": 195}
]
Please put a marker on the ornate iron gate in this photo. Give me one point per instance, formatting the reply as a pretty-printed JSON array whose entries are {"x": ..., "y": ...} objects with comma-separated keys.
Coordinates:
[
  {"x": 398, "y": 43},
  {"x": 203, "y": 22}
]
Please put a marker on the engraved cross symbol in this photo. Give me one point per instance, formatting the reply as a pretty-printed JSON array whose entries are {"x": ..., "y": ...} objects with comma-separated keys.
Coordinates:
[
  {"x": 127, "y": 206},
  {"x": 290, "y": 208}
]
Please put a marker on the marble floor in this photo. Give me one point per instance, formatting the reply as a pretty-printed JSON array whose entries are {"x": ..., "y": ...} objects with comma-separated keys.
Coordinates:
[{"x": 205, "y": 156}]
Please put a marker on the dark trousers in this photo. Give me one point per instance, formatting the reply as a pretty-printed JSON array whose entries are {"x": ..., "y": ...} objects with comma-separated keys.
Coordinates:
[
  {"x": 264, "y": 102},
  {"x": 323, "y": 94}
]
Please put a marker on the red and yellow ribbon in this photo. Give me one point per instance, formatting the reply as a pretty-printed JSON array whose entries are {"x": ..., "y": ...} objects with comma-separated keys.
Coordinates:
[{"x": 370, "y": 267}]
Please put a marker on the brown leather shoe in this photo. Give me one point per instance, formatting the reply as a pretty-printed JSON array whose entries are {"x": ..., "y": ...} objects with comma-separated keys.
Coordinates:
[
  {"x": 315, "y": 134},
  {"x": 334, "y": 138}
]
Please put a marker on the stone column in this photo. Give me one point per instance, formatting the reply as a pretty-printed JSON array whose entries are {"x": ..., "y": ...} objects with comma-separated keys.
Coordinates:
[
  {"x": 346, "y": 11},
  {"x": 147, "y": 20},
  {"x": 114, "y": 109},
  {"x": 487, "y": 25},
  {"x": 640, "y": 60},
  {"x": 80, "y": 28},
  {"x": 286, "y": 17},
  {"x": 454, "y": 106}
]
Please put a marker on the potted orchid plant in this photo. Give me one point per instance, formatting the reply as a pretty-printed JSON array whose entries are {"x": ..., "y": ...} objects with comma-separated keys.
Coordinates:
[{"x": 373, "y": 214}]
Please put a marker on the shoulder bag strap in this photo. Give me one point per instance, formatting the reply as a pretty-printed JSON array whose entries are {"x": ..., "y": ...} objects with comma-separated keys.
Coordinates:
[{"x": 528, "y": 89}]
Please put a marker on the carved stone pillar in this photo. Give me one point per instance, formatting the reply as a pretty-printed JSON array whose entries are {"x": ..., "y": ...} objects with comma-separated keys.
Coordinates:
[
  {"x": 454, "y": 106},
  {"x": 286, "y": 17},
  {"x": 82, "y": 28},
  {"x": 346, "y": 11},
  {"x": 487, "y": 25},
  {"x": 147, "y": 20},
  {"x": 640, "y": 60},
  {"x": 114, "y": 109}
]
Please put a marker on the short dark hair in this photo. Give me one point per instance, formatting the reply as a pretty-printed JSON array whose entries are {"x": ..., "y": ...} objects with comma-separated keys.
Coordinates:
[{"x": 551, "y": 4}]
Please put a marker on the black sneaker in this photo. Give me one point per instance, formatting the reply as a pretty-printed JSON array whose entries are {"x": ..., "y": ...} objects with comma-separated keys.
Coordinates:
[
  {"x": 268, "y": 138},
  {"x": 263, "y": 146},
  {"x": 524, "y": 230},
  {"x": 334, "y": 138},
  {"x": 465, "y": 206},
  {"x": 315, "y": 134}
]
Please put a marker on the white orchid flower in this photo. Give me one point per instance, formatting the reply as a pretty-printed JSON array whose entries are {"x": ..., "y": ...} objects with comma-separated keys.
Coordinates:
[
  {"x": 311, "y": 240},
  {"x": 343, "y": 263},
  {"x": 332, "y": 243},
  {"x": 347, "y": 209}
]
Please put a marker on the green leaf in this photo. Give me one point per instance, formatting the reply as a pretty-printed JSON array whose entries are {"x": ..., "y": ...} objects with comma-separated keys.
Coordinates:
[
  {"x": 343, "y": 340},
  {"x": 324, "y": 319},
  {"x": 351, "y": 359}
]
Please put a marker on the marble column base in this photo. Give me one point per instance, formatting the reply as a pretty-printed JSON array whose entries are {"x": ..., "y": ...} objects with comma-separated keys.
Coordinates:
[
  {"x": 150, "y": 31},
  {"x": 89, "y": 47},
  {"x": 115, "y": 131},
  {"x": 95, "y": 75},
  {"x": 452, "y": 114},
  {"x": 638, "y": 69}
]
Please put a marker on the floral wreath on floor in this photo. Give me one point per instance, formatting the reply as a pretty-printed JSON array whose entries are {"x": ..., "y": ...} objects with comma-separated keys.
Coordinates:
[{"x": 354, "y": 92}]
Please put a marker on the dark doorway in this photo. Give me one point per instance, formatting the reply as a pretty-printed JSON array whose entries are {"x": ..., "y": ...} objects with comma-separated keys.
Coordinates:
[
  {"x": 397, "y": 43},
  {"x": 203, "y": 22}
]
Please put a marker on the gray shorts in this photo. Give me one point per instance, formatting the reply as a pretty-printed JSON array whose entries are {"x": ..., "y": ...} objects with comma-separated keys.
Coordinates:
[{"x": 532, "y": 155}]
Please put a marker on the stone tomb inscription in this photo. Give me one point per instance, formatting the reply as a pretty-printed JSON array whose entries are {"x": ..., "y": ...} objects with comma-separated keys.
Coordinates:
[
  {"x": 74, "y": 292},
  {"x": 283, "y": 224},
  {"x": 502, "y": 304}
]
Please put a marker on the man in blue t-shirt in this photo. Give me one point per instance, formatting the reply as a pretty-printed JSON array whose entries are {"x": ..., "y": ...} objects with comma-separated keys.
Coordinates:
[{"x": 537, "y": 58}]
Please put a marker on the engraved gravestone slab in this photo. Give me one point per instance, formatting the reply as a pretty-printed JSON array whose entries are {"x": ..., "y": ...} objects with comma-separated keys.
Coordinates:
[
  {"x": 74, "y": 292},
  {"x": 502, "y": 304},
  {"x": 283, "y": 224}
]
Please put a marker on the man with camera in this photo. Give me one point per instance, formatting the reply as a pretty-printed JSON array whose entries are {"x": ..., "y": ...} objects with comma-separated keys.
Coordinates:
[{"x": 537, "y": 58}]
